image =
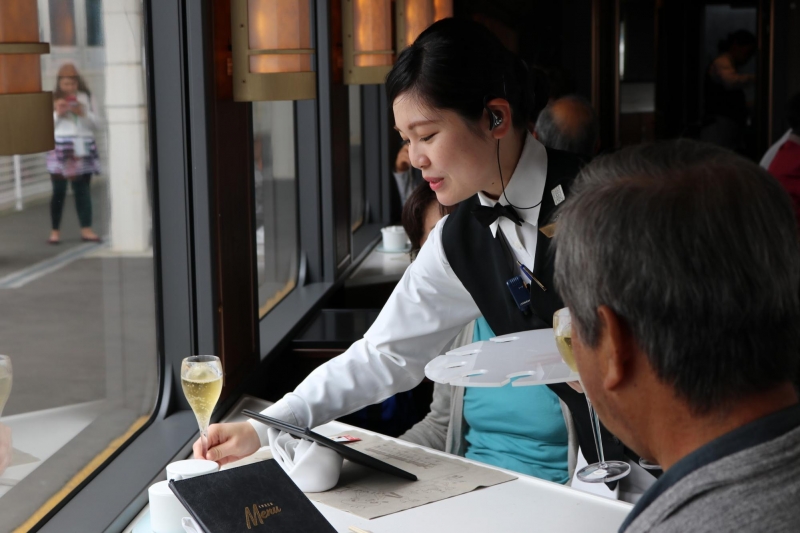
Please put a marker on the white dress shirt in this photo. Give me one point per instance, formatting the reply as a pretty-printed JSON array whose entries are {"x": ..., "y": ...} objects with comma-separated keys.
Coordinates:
[{"x": 425, "y": 312}]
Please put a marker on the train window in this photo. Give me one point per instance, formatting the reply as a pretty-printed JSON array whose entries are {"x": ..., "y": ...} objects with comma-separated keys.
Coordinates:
[
  {"x": 275, "y": 178},
  {"x": 78, "y": 271},
  {"x": 94, "y": 22},
  {"x": 62, "y": 22},
  {"x": 357, "y": 188}
]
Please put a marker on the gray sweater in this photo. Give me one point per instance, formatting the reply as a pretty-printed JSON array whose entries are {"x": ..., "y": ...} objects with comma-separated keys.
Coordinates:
[{"x": 751, "y": 490}]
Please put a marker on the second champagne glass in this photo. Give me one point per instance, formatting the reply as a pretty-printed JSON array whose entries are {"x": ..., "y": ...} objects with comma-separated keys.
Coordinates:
[
  {"x": 602, "y": 471},
  {"x": 5, "y": 381},
  {"x": 201, "y": 379}
]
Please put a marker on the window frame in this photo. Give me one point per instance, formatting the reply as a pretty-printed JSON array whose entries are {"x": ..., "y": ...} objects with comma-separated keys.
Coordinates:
[{"x": 376, "y": 169}]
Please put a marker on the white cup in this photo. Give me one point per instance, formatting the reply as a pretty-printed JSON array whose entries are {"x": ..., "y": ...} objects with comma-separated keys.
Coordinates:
[
  {"x": 190, "y": 468},
  {"x": 394, "y": 238},
  {"x": 166, "y": 511}
]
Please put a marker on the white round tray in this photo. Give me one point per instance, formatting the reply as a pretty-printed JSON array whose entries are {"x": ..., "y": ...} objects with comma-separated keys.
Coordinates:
[{"x": 530, "y": 356}]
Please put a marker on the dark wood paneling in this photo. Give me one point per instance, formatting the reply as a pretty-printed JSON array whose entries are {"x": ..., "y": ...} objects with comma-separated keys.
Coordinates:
[{"x": 233, "y": 206}]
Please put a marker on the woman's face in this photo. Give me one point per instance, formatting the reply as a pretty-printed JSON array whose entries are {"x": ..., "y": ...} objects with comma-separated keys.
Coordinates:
[
  {"x": 456, "y": 161},
  {"x": 68, "y": 84}
]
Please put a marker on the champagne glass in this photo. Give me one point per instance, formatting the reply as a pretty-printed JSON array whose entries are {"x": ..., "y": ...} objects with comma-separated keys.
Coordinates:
[
  {"x": 602, "y": 471},
  {"x": 5, "y": 381},
  {"x": 201, "y": 379}
]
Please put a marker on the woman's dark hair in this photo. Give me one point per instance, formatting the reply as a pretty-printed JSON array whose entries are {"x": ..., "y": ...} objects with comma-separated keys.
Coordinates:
[
  {"x": 456, "y": 64},
  {"x": 413, "y": 217},
  {"x": 739, "y": 38}
]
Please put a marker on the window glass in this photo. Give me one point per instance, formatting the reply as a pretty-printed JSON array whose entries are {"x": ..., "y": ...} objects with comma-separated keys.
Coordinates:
[
  {"x": 62, "y": 22},
  {"x": 276, "y": 201},
  {"x": 94, "y": 22},
  {"x": 357, "y": 190},
  {"x": 77, "y": 276}
]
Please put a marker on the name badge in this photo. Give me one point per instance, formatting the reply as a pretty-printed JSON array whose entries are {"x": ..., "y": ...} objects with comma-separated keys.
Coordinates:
[{"x": 558, "y": 195}]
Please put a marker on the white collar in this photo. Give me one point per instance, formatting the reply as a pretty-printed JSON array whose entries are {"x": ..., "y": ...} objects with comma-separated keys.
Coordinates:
[{"x": 526, "y": 186}]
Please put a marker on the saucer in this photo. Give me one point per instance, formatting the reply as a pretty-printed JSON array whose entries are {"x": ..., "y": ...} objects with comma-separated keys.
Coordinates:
[{"x": 404, "y": 250}]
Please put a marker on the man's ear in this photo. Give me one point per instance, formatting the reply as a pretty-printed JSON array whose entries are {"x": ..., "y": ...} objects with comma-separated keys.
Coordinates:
[{"x": 616, "y": 348}]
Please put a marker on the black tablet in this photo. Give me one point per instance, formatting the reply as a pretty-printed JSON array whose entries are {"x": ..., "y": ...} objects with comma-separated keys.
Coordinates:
[{"x": 343, "y": 450}]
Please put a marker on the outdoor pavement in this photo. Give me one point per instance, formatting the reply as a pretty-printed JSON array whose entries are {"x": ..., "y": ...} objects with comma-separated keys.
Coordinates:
[
  {"x": 81, "y": 326},
  {"x": 79, "y": 322}
]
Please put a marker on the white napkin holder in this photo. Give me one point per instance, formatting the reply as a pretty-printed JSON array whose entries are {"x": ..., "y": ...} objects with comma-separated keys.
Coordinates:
[
  {"x": 166, "y": 511},
  {"x": 312, "y": 467}
]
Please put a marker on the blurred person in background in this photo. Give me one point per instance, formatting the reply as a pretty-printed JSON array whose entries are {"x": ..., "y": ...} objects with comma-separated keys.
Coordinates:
[
  {"x": 75, "y": 157},
  {"x": 570, "y": 124},
  {"x": 726, "y": 109},
  {"x": 785, "y": 166},
  {"x": 405, "y": 175}
]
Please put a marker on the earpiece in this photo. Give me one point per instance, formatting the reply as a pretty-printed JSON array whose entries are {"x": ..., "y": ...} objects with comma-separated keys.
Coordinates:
[{"x": 494, "y": 120}]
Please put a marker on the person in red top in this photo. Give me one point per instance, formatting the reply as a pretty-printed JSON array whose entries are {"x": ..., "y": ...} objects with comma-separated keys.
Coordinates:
[{"x": 786, "y": 164}]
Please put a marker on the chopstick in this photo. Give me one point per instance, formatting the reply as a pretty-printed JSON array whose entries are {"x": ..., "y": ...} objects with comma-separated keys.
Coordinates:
[{"x": 355, "y": 529}]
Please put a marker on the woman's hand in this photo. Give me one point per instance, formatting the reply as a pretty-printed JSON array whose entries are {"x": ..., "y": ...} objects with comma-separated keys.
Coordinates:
[
  {"x": 62, "y": 107},
  {"x": 228, "y": 442}
]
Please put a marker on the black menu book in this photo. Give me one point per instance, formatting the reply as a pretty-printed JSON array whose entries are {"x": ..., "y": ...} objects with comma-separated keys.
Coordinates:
[{"x": 254, "y": 498}]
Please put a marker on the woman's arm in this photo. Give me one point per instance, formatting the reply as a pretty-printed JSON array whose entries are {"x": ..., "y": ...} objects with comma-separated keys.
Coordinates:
[
  {"x": 424, "y": 313},
  {"x": 426, "y": 310}
]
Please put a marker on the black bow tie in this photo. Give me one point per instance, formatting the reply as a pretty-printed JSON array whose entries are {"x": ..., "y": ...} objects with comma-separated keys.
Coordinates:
[{"x": 487, "y": 215}]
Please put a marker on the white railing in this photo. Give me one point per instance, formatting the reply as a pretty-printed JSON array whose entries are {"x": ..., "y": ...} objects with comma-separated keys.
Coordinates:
[{"x": 24, "y": 178}]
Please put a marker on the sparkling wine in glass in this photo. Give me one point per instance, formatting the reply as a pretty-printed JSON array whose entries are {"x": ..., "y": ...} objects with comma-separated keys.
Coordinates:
[
  {"x": 201, "y": 379},
  {"x": 5, "y": 381},
  {"x": 602, "y": 471}
]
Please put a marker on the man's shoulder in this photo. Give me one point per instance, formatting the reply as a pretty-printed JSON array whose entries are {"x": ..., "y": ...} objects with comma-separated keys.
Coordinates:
[
  {"x": 741, "y": 507},
  {"x": 750, "y": 491}
]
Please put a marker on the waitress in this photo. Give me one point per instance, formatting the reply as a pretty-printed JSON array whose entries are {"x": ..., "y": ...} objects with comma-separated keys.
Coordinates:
[{"x": 461, "y": 102}]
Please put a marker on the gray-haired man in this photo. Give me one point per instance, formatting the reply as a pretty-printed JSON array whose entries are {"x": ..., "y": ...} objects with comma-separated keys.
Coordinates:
[
  {"x": 569, "y": 124},
  {"x": 680, "y": 264}
]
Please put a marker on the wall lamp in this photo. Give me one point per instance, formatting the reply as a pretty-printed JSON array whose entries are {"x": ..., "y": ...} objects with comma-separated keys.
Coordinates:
[
  {"x": 273, "y": 51},
  {"x": 26, "y": 111},
  {"x": 368, "y": 53},
  {"x": 413, "y": 16}
]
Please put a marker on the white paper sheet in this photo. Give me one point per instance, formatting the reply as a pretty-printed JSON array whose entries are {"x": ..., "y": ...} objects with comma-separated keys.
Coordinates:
[{"x": 369, "y": 493}]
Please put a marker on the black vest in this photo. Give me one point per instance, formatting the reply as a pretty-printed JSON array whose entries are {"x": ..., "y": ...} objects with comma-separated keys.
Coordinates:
[{"x": 483, "y": 264}]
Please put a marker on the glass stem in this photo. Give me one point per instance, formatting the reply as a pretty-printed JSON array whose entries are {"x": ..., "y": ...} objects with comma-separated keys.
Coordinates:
[
  {"x": 598, "y": 441},
  {"x": 204, "y": 441}
]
